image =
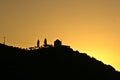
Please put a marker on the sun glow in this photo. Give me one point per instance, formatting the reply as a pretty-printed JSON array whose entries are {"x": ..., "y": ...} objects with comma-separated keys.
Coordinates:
[{"x": 90, "y": 26}]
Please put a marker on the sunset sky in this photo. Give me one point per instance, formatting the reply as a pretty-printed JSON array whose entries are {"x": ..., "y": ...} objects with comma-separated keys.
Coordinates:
[{"x": 89, "y": 26}]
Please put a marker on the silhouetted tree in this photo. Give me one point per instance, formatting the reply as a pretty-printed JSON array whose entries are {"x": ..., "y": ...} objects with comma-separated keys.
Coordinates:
[
  {"x": 45, "y": 42},
  {"x": 38, "y": 43}
]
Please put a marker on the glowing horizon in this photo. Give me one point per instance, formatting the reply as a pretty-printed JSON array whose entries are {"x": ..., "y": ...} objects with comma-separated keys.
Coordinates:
[{"x": 90, "y": 26}]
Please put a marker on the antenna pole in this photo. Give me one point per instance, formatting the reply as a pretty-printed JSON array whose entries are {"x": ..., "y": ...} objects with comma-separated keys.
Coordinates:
[{"x": 4, "y": 41}]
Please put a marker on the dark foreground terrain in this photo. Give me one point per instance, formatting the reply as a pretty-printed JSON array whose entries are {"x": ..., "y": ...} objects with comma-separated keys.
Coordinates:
[{"x": 52, "y": 63}]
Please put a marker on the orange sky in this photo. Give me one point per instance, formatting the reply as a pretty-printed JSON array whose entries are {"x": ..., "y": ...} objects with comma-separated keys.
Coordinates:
[{"x": 90, "y": 26}]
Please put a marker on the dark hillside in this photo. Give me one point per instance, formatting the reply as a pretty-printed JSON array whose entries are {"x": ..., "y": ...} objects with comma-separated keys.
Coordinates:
[{"x": 53, "y": 63}]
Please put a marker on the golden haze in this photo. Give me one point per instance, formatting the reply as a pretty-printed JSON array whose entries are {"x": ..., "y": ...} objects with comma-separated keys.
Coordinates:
[{"x": 91, "y": 26}]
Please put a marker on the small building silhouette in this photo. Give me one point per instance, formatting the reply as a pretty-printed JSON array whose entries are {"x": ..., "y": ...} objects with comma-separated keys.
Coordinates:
[{"x": 57, "y": 43}]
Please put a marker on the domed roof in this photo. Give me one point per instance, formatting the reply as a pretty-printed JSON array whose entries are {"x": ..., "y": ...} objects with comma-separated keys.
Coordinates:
[{"x": 57, "y": 40}]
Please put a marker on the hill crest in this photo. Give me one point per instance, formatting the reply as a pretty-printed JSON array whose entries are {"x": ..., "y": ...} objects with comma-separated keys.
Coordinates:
[{"x": 56, "y": 60}]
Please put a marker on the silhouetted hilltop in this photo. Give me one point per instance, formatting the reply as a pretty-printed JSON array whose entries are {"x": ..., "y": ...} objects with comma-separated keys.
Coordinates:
[{"x": 53, "y": 63}]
